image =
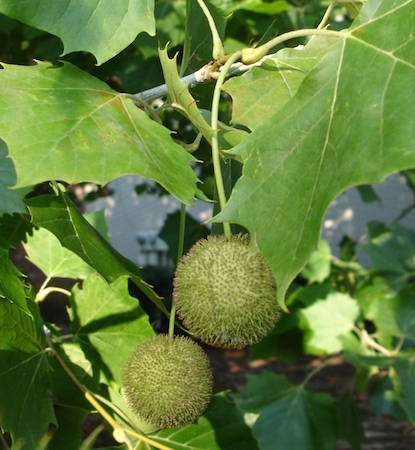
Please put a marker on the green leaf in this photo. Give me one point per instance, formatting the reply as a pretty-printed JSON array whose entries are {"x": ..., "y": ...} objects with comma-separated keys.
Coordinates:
[
  {"x": 60, "y": 123},
  {"x": 180, "y": 96},
  {"x": 26, "y": 407},
  {"x": 198, "y": 43},
  {"x": 350, "y": 421},
  {"x": 12, "y": 286},
  {"x": 69, "y": 433},
  {"x": 392, "y": 314},
  {"x": 353, "y": 7},
  {"x": 46, "y": 252},
  {"x": 384, "y": 398},
  {"x": 379, "y": 304},
  {"x": 11, "y": 200},
  {"x": 258, "y": 6},
  {"x": 290, "y": 415},
  {"x": 319, "y": 264},
  {"x": 259, "y": 93},
  {"x": 102, "y": 28},
  {"x": 66, "y": 393},
  {"x": 252, "y": 398},
  {"x": 368, "y": 194},
  {"x": 328, "y": 320},
  {"x": 222, "y": 427},
  {"x": 109, "y": 323},
  {"x": 392, "y": 253},
  {"x": 60, "y": 216},
  {"x": 349, "y": 123},
  {"x": 14, "y": 228},
  {"x": 404, "y": 365}
]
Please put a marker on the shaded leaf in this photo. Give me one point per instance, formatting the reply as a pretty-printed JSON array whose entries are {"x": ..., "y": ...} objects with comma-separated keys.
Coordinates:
[
  {"x": 12, "y": 287},
  {"x": 384, "y": 398},
  {"x": 60, "y": 216},
  {"x": 103, "y": 28},
  {"x": 392, "y": 253},
  {"x": 108, "y": 323},
  {"x": 69, "y": 433},
  {"x": 349, "y": 123},
  {"x": 253, "y": 399},
  {"x": 26, "y": 407},
  {"x": 222, "y": 427},
  {"x": 60, "y": 123},
  {"x": 328, "y": 320},
  {"x": 350, "y": 421},
  {"x": 66, "y": 393},
  {"x": 11, "y": 200},
  {"x": 14, "y": 228},
  {"x": 291, "y": 415},
  {"x": 198, "y": 42},
  {"x": 404, "y": 365}
]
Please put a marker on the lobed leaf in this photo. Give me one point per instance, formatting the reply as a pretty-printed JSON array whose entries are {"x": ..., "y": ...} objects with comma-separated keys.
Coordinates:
[
  {"x": 222, "y": 427},
  {"x": 262, "y": 91},
  {"x": 61, "y": 123},
  {"x": 103, "y": 28},
  {"x": 46, "y": 252},
  {"x": 26, "y": 406},
  {"x": 328, "y": 320},
  {"x": 12, "y": 286},
  {"x": 11, "y": 201},
  {"x": 107, "y": 321},
  {"x": 60, "y": 216},
  {"x": 404, "y": 367},
  {"x": 292, "y": 415},
  {"x": 351, "y": 122}
]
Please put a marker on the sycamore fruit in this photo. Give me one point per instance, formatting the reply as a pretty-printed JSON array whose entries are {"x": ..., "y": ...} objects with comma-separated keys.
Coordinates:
[
  {"x": 167, "y": 381},
  {"x": 226, "y": 295}
]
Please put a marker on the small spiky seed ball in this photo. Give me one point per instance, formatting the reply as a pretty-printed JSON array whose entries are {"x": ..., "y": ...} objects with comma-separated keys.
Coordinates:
[
  {"x": 167, "y": 381},
  {"x": 225, "y": 295}
]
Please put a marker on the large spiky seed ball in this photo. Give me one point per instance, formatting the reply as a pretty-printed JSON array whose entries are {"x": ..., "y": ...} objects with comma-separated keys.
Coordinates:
[
  {"x": 225, "y": 294},
  {"x": 167, "y": 381}
]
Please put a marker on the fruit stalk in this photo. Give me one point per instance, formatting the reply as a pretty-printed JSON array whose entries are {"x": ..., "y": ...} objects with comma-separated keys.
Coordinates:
[{"x": 215, "y": 139}]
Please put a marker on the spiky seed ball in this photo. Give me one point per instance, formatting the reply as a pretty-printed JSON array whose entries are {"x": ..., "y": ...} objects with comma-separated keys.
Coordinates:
[
  {"x": 225, "y": 295},
  {"x": 167, "y": 381}
]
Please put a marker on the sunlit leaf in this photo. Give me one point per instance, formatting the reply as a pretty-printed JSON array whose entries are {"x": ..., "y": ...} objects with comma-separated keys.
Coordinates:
[
  {"x": 262, "y": 91},
  {"x": 351, "y": 122},
  {"x": 60, "y": 123},
  {"x": 328, "y": 320},
  {"x": 103, "y": 28},
  {"x": 46, "y": 252}
]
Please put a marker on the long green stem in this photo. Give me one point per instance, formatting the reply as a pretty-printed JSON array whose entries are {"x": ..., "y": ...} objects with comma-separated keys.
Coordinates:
[
  {"x": 215, "y": 137},
  {"x": 43, "y": 293},
  {"x": 253, "y": 55}
]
